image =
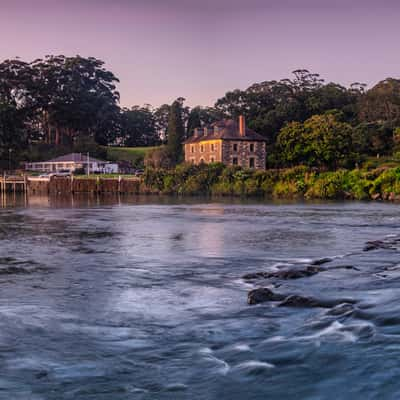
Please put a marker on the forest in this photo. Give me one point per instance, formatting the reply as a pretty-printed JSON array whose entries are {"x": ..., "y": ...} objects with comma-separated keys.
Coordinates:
[{"x": 60, "y": 103}]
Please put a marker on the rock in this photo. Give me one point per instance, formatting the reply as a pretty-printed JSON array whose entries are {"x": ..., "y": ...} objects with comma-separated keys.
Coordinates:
[
  {"x": 261, "y": 295},
  {"x": 301, "y": 301},
  {"x": 41, "y": 374},
  {"x": 321, "y": 261},
  {"x": 376, "y": 244},
  {"x": 285, "y": 274},
  {"x": 376, "y": 196},
  {"x": 344, "y": 267},
  {"x": 392, "y": 196}
]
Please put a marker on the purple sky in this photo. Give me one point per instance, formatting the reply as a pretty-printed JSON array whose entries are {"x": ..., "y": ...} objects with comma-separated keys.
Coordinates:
[{"x": 199, "y": 49}]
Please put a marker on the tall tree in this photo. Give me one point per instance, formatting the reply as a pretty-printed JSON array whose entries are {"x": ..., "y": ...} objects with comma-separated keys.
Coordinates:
[{"x": 175, "y": 132}]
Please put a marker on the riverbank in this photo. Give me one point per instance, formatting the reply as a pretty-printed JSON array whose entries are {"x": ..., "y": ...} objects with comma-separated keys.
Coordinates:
[
  {"x": 216, "y": 180},
  {"x": 294, "y": 183}
]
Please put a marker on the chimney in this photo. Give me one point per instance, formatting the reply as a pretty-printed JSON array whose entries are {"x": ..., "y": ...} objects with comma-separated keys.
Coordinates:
[{"x": 242, "y": 126}]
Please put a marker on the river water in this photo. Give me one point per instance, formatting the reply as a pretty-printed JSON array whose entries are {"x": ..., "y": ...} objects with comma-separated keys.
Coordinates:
[{"x": 144, "y": 299}]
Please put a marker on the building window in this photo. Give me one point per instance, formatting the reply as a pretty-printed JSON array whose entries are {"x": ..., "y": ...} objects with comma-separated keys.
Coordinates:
[
  {"x": 251, "y": 162},
  {"x": 235, "y": 147},
  {"x": 192, "y": 160},
  {"x": 212, "y": 159},
  {"x": 212, "y": 147},
  {"x": 234, "y": 161},
  {"x": 201, "y": 160},
  {"x": 251, "y": 147},
  {"x": 192, "y": 149},
  {"x": 202, "y": 148}
]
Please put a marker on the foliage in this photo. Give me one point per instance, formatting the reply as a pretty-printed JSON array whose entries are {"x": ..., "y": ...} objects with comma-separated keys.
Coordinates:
[
  {"x": 175, "y": 133},
  {"x": 320, "y": 141},
  {"x": 298, "y": 182},
  {"x": 138, "y": 127}
]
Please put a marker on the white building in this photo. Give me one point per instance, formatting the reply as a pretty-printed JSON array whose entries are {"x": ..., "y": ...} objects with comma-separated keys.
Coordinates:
[{"x": 72, "y": 162}]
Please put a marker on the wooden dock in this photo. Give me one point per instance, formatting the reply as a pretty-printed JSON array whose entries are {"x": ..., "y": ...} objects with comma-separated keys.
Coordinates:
[{"x": 13, "y": 184}]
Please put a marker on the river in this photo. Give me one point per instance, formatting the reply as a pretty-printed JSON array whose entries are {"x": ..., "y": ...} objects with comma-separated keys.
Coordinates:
[{"x": 144, "y": 299}]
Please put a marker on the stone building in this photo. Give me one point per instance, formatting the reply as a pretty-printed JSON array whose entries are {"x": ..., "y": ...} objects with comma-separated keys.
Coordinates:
[{"x": 229, "y": 142}]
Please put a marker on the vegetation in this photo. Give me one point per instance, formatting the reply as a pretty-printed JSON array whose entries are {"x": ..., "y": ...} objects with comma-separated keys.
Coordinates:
[
  {"x": 135, "y": 155},
  {"x": 60, "y": 104},
  {"x": 297, "y": 182}
]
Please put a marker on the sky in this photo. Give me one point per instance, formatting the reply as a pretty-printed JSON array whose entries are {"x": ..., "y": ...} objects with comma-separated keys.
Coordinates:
[{"x": 200, "y": 49}]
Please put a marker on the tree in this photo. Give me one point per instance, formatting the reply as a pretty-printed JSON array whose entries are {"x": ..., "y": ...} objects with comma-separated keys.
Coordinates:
[
  {"x": 138, "y": 127},
  {"x": 194, "y": 121},
  {"x": 291, "y": 144},
  {"x": 175, "y": 132},
  {"x": 161, "y": 117},
  {"x": 329, "y": 142},
  {"x": 320, "y": 141},
  {"x": 381, "y": 103},
  {"x": 75, "y": 96},
  {"x": 270, "y": 105},
  {"x": 12, "y": 134},
  {"x": 373, "y": 138}
]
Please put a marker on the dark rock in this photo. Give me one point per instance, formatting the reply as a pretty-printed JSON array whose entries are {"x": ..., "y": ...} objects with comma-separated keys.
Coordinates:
[
  {"x": 301, "y": 301},
  {"x": 377, "y": 244},
  {"x": 345, "y": 267},
  {"x": 261, "y": 295},
  {"x": 41, "y": 374},
  {"x": 321, "y": 261},
  {"x": 285, "y": 274}
]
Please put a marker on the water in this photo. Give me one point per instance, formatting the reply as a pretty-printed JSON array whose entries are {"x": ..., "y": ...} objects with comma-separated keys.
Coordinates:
[{"x": 143, "y": 299}]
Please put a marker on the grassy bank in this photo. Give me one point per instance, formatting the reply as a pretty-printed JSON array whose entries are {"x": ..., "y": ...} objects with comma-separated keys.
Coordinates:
[
  {"x": 133, "y": 154},
  {"x": 299, "y": 182}
]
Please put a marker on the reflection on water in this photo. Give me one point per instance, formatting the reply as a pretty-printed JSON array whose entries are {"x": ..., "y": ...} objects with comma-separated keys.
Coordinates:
[{"x": 142, "y": 298}]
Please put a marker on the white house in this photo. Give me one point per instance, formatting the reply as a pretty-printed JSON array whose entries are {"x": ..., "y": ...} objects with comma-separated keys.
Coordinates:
[{"x": 72, "y": 162}]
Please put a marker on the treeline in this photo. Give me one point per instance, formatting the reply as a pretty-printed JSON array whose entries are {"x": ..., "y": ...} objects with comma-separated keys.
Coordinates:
[{"x": 74, "y": 102}]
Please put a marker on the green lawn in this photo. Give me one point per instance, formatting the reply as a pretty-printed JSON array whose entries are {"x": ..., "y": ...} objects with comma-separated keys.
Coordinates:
[{"x": 134, "y": 154}]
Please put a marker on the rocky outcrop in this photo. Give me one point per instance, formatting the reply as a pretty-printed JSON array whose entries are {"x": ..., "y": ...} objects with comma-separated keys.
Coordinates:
[
  {"x": 285, "y": 274},
  {"x": 295, "y": 273},
  {"x": 261, "y": 295}
]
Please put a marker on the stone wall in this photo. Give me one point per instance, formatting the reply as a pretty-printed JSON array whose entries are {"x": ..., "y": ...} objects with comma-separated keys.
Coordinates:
[
  {"x": 207, "y": 152},
  {"x": 241, "y": 151},
  {"x": 224, "y": 151}
]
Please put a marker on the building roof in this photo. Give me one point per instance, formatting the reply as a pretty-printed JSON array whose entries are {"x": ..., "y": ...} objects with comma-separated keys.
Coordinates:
[
  {"x": 227, "y": 129},
  {"x": 75, "y": 157}
]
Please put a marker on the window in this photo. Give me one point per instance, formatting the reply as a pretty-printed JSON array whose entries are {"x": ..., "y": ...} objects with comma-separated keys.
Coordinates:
[
  {"x": 212, "y": 146},
  {"x": 235, "y": 147},
  {"x": 251, "y": 162},
  {"x": 234, "y": 161},
  {"x": 201, "y": 160},
  {"x": 212, "y": 159},
  {"x": 192, "y": 149},
  {"x": 251, "y": 147},
  {"x": 202, "y": 148}
]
